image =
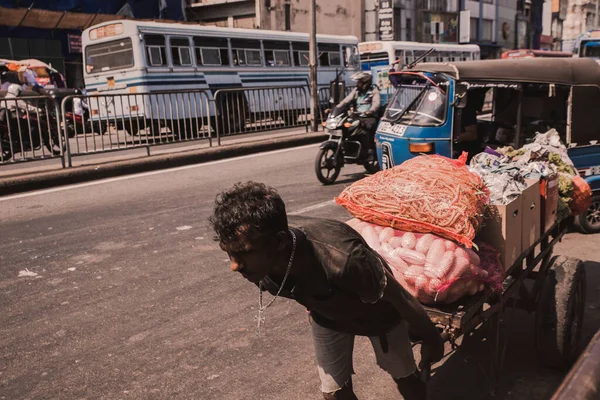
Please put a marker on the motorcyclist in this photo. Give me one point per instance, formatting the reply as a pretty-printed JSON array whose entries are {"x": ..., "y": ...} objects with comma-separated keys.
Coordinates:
[
  {"x": 13, "y": 102},
  {"x": 80, "y": 105},
  {"x": 365, "y": 99}
]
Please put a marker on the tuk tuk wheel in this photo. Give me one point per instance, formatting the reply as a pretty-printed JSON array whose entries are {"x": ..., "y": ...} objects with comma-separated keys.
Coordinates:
[
  {"x": 327, "y": 167},
  {"x": 559, "y": 314},
  {"x": 589, "y": 220},
  {"x": 371, "y": 166}
]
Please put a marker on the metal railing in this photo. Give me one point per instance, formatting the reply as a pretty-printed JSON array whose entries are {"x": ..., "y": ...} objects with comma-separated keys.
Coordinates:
[
  {"x": 240, "y": 110},
  {"x": 125, "y": 121},
  {"x": 30, "y": 129},
  {"x": 113, "y": 122}
]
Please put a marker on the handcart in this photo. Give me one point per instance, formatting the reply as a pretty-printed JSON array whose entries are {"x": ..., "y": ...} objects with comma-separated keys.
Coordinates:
[{"x": 555, "y": 292}]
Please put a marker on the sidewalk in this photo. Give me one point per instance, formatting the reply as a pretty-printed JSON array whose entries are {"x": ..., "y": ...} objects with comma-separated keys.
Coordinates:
[{"x": 15, "y": 178}]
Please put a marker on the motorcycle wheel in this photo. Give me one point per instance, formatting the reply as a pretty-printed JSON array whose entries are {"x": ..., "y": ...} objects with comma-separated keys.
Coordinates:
[
  {"x": 71, "y": 131},
  {"x": 371, "y": 166},
  {"x": 6, "y": 153},
  {"x": 54, "y": 144},
  {"x": 327, "y": 168}
]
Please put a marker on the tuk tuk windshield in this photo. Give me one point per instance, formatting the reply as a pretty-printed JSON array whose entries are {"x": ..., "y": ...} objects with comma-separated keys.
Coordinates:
[{"x": 418, "y": 101}]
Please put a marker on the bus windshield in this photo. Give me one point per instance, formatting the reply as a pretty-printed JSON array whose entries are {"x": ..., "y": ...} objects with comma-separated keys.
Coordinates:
[
  {"x": 109, "y": 56},
  {"x": 417, "y": 101}
]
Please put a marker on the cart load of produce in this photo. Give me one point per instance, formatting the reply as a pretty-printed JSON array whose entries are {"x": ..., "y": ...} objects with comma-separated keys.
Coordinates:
[
  {"x": 433, "y": 269},
  {"x": 426, "y": 194},
  {"x": 503, "y": 172}
]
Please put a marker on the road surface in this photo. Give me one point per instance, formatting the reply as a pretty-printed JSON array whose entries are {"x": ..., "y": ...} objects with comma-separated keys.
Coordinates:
[{"x": 115, "y": 290}]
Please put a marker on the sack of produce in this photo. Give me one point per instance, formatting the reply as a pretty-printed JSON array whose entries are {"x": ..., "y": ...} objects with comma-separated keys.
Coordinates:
[
  {"x": 427, "y": 194},
  {"x": 581, "y": 197},
  {"x": 433, "y": 269}
]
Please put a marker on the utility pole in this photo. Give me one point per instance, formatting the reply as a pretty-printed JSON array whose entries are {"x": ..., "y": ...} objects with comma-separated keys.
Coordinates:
[
  {"x": 596, "y": 16},
  {"x": 312, "y": 47}
]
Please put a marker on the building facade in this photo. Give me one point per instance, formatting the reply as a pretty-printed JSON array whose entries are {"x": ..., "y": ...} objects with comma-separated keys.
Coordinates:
[
  {"x": 559, "y": 14},
  {"x": 581, "y": 17},
  {"x": 50, "y": 30}
]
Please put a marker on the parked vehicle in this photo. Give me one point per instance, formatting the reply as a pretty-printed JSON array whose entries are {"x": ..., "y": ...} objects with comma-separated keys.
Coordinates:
[
  {"x": 513, "y": 100},
  {"x": 347, "y": 144}
]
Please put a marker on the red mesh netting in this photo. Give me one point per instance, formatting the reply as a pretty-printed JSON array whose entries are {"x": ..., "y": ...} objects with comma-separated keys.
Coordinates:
[
  {"x": 582, "y": 196},
  {"x": 428, "y": 193},
  {"x": 432, "y": 269}
]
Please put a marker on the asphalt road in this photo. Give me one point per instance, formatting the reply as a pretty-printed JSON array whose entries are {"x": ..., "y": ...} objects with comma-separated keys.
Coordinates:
[{"x": 115, "y": 290}]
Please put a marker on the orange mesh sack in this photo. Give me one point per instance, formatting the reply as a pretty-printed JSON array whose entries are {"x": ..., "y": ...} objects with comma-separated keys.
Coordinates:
[
  {"x": 582, "y": 196},
  {"x": 428, "y": 193}
]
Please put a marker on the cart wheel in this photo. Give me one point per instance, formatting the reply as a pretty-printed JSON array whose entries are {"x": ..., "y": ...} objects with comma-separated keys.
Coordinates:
[{"x": 559, "y": 314}]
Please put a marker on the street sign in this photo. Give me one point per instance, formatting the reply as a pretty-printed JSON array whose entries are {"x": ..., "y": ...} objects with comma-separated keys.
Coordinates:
[
  {"x": 386, "y": 20},
  {"x": 74, "y": 42},
  {"x": 464, "y": 23}
]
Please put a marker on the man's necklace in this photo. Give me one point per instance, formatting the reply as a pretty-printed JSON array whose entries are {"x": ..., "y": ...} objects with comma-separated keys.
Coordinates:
[{"x": 260, "y": 319}]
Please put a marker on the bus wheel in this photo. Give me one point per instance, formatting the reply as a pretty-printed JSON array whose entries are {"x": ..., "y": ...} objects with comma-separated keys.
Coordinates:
[
  {"x": 132, "y": 127},
  {"x": 99, "y": 127}
]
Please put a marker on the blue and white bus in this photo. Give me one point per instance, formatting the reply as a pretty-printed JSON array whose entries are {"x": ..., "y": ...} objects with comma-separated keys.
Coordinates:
[
  {"x": 132, "y": 57},
  {"x": 378, "y": 56},
  {"x": 587, "y": 45},
  {"x": 380, "y": 53}
]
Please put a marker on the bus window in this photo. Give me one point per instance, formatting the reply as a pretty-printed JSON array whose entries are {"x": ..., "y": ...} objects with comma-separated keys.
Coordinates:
[
  {"x": 117, "y": 54},
  {"x": 399, "y": 56},
  {"x": 433, "y": 57},
  {"x": 351, "y": 58},
  {"x": 277, "y": 54},
  {"x": 156, "y": 50},
  {"x": 301, "y": 54},
  {"x": 324, "y": 53},
  {"x": 466, "y": 57},
  {"x": 335, "y": 59},
  {"x": 408, "y": 54},
  {"x": 246, "y": 52},
  {"x": 211, "y": 51},
  {"x": 181, "y": 54}
]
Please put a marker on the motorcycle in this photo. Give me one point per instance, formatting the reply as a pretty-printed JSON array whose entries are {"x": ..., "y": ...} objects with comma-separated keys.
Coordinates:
[
  {"x": 347, "y": 144},
  {"x": 22, "y": 131},
  {"x": 81, "y": 124}
]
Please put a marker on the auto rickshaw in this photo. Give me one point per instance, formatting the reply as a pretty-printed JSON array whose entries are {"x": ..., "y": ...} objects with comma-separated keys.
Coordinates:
[{"x": 448, "y": 108}]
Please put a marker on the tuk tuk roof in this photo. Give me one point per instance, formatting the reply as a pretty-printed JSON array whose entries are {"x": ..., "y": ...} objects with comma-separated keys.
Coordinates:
[{"x": 576, "y": 71}]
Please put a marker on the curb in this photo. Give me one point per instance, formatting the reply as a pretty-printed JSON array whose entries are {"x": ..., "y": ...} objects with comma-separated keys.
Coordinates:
[{"x": 67, "y": 176}]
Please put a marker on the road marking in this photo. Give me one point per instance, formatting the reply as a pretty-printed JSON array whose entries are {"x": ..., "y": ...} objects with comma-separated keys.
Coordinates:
[
  {"x": 144, "y": 174},
  {"x": 313, "y": 207}
]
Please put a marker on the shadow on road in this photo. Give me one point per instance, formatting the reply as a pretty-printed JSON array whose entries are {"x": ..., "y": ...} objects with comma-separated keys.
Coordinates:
[{"x": 466, "y": 373}]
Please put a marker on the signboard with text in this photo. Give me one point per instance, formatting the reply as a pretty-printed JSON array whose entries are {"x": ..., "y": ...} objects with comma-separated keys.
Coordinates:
[
  {"x": 74, "y": 44},
  {"x": 386, "y": 20},
  {"x": 464, "y": 26}
]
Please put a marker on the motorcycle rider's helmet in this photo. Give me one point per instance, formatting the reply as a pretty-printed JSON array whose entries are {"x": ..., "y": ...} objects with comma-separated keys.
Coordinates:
[
  {"x": 363, "y": 80},
  {"x": 14, "y": 90}
]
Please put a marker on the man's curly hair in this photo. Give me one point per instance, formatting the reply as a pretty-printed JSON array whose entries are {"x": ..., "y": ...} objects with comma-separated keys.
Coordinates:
[{"x": 249, "y": 210}]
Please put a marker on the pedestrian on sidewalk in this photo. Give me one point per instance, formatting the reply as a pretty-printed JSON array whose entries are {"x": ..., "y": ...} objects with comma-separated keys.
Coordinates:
[{"x": 327, "y": 267}]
